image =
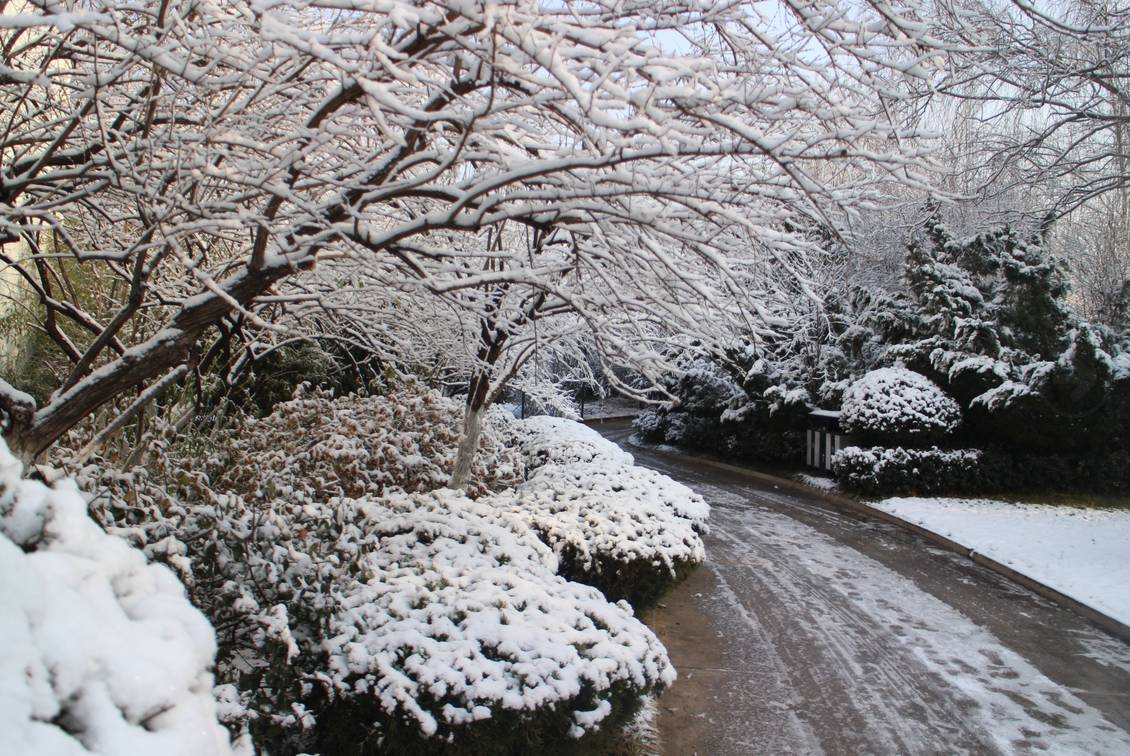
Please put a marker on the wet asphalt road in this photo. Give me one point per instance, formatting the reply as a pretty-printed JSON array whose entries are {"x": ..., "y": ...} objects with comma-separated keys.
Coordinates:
[{"x": 808, "y": 631}]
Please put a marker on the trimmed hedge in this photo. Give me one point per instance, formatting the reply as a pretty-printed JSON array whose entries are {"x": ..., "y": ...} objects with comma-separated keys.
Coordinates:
[
  {"x": 1108, "y": 473},
  {"x": 640, "y": 582},
  {"x": 895, "y": 405},
  {"x": 753, "y": 440},
  {"x": 359, "y": 727},
  {"x": 879, "y": 471}
]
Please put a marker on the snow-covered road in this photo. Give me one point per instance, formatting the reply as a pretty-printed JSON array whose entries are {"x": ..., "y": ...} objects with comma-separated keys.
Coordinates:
[{"x": 811, "y": 632}]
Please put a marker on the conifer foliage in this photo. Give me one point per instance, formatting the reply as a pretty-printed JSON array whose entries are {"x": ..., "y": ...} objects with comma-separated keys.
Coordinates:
[{"x": 979, "y": 351}]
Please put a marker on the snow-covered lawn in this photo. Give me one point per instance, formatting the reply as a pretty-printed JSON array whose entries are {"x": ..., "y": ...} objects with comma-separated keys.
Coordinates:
[{"x": 1079, "y": 551}]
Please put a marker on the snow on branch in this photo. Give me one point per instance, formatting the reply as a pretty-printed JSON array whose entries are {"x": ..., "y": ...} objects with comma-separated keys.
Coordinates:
[{"x": 209, "y": 160}]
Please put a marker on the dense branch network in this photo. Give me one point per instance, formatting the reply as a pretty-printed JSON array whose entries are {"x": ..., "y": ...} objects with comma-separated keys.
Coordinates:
[{"x": 173, "y": 171}]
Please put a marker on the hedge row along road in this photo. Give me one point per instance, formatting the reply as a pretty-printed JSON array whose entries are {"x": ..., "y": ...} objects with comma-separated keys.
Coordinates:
[{"x": 808, "y": 631}]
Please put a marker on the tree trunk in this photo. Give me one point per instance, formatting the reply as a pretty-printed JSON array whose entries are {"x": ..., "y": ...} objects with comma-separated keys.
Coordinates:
[
  {"x": 30, "y": 432},
  {"x": 465, "y": 456}
]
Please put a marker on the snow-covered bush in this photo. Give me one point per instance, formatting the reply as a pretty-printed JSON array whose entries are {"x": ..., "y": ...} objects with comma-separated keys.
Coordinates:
[
  {"x": 458, "y": 625},
  {"x": 649, "y": 424},
  {"x": 880, "y": 471},
  {"x": 628, "y": 531},
  {"x": 405, "y": 623},
  {"x": 608, "y": 478},
  {"x": 665, "y": 426},
  {"x": 745, "y": 434},
  {"x": 900, "y": 406},
  {"x": 681, "y": 429},
  {"x": 102, "y": 652},
  {"x": 388, "y": 622},
  {"x": 315, "y": 446},
  {"x": 704, "y": 388},
  {"x": 547, "y": 440},
  {"x": 1077, "y": 402},
  {"x": 676, "y": 426}
]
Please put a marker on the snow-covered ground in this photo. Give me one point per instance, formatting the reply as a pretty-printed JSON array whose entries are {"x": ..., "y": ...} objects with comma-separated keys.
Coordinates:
[
  {"x": 1081, "y": 552},
  {"x": 818, "y": 481},
  {"x": 826, "y": 649}
]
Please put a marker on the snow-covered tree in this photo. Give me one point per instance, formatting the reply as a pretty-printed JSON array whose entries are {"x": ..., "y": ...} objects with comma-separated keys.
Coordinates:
[
  {"x": 985, "y": 306},
  {"x": 177, "y": 169},
  {"x": 995, "y": 327}
]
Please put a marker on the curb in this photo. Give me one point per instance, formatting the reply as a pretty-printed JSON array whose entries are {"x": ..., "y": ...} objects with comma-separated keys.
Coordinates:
[
  {"x": 600, "y": 420},
  {"x": 1113, "y": 626}
]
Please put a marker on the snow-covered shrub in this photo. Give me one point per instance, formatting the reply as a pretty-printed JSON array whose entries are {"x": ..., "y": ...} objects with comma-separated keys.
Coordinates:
[
  {"x": 745, "y": 433},
  {"x": 704, "y": 388},
  {"x": 683, "y": 429},
  {"x": 1076, "y": 402},
  {"x": 101, "y": 650},
  {"x": 608, "y": 478},
  {"x": 302, "y": 588},
  {"x": 547, "y": 440},
  {"x": 628, "y": 531},
  {"x": 650, "y": 424},
  {"x": 316, "y": 446},
  {"x": 900, "y": 406},
  {"x": 459, "y": 626},
  {"x": 264, "y": 571},
  {"x": 703, "y": 433},
  {"x": 662, "y": 426},
  {"x": 881, "y": 471},
  {"x": 675, "y": 429},
  {"x": 783, "y": 401},
  {"x": 1098, "y": 472},
  {"x": 967, "y": 377}
]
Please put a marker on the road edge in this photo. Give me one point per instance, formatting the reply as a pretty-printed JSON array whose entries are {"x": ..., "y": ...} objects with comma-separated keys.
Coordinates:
[{"x": 859, "y": 508}]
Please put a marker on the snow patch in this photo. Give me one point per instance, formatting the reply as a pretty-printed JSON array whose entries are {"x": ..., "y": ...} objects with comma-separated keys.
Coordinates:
[
  {"x": 102, "y": 652},
  {"x": 1081, "y": 552}
]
